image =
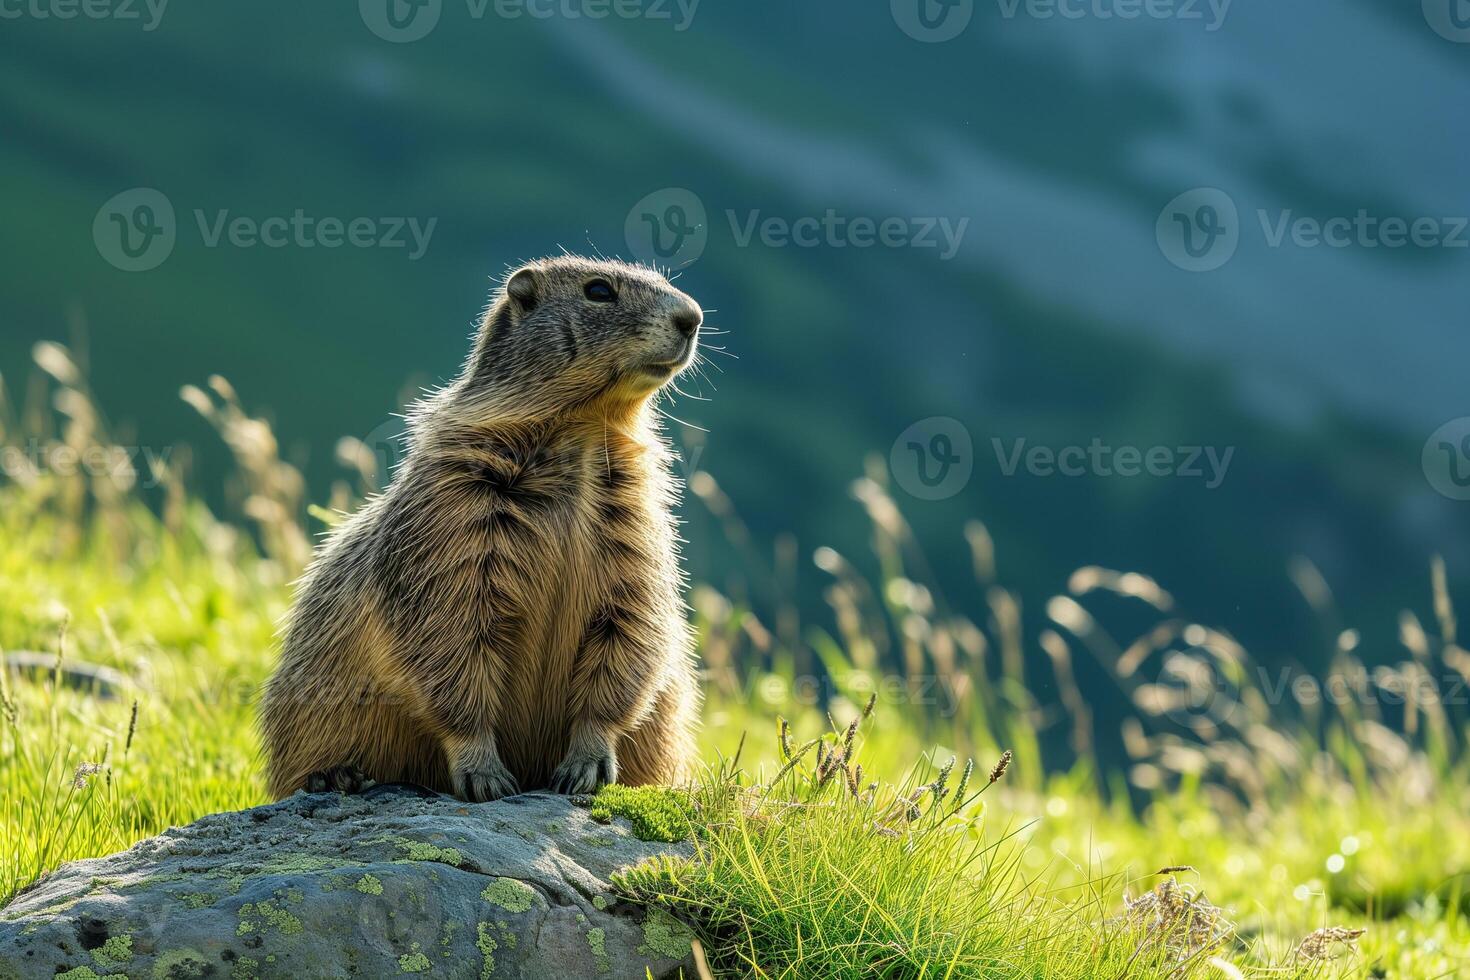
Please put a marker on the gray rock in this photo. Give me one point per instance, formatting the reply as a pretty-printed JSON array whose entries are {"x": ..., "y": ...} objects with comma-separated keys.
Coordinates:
[
  {"x": 328, "y": 886},
  {"x": 101, "y": 682}
]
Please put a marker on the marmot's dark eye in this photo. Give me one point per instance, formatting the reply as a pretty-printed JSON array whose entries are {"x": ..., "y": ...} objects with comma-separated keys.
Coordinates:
[{"x": 600, "y": 291}]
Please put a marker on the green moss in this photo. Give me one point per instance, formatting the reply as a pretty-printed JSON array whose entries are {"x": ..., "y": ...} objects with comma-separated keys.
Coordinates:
[
  {"x": 487, "y": 947},
  {"x": 597, "y": 940},
  {"x": 414, "y": 962},
  {"x": 197, "y": 900},
  {"x": 599, "y": 903},
  {"x": 510, "y": 894},
  {"x": 657, "y": 813},
  {"x": 296, "y": 864},
  {"x": 245, "y": 969},
  {"x": 181, "y": 964},
  {"x": 79, "y": 973},
  {"x": 135, "y": 882},
  {"x": 116, "y": 951},
  {"x": 369, "y": 885},
  {"x": 665, "y": 935},
  {"x": 235, "y": 875},
  {"x": 420, "y": 851},
  {"x": 272, "y": 914}
]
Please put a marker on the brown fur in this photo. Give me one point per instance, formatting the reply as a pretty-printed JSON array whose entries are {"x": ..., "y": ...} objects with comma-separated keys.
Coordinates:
[{"x": 507, "y": 614}]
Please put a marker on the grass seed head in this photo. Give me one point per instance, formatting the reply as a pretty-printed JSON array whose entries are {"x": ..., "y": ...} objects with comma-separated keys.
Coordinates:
[
  {"x": 83, "y": 773},
  {"x": 964, "y": 784},
  {"x": 1322, "y": 944},
  {"x": 1000, "y": 767}
]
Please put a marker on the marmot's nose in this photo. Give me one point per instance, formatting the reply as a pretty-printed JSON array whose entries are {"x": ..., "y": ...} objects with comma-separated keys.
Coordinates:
[{"x": 688, "y": 319}]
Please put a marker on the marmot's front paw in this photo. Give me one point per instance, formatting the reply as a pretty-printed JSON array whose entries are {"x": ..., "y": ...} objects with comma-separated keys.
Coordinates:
[
  {"x": 584, "y": 773},
  {"x": 490, "y": 781},
  {"x": 339, "y": 779}
]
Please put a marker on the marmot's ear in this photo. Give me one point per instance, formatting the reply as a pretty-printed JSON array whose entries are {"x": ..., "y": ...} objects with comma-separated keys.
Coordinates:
[{"x": 524, "y": 289}]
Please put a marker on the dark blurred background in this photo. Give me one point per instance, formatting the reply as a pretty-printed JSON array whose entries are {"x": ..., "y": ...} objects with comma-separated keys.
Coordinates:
[{"x": 1077, "y": 226}]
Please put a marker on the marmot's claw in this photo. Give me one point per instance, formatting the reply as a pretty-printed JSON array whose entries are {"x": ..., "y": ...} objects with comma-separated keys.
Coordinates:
[
  {"x": 490, "y": 782},
  {"x": 339, "y": 779},
  {"x": 584, "y": 774}
]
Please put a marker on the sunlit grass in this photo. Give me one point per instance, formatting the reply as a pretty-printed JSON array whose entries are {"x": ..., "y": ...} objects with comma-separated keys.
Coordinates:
[{"x": 1364, "y": 826}]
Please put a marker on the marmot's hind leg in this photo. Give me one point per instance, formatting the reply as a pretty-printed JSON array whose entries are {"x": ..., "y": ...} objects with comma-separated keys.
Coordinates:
[{"x": 662, "y": 750}]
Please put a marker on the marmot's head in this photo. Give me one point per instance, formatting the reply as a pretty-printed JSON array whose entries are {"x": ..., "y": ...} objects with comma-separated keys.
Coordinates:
[{"x": 570, "y": 331}]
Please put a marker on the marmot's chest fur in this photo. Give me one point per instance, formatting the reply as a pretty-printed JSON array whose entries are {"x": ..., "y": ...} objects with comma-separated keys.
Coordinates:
[{"x": 527, "y": 548}]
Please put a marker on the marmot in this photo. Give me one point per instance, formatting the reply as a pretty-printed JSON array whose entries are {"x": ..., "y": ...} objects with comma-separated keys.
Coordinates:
[{"x": 508, "y": 613}]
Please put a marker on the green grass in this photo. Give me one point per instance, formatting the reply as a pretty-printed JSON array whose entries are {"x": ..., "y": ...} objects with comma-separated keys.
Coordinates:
[
  {"x": 813, "y": 881},
  {"x": 805, "y": 866}
]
